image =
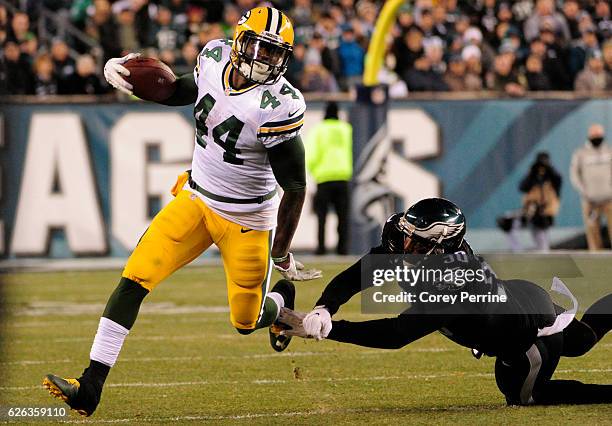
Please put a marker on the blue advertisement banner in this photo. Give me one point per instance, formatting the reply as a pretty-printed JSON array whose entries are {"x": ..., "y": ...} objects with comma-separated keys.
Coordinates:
[{"x": 85, "y": 179}]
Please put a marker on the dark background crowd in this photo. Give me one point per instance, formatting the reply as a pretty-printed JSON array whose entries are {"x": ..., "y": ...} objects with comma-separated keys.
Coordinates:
[{"x": 59, "y": 47}]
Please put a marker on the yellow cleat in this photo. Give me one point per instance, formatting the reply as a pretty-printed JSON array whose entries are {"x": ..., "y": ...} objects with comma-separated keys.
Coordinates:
[{"x": 69, "y": 391}]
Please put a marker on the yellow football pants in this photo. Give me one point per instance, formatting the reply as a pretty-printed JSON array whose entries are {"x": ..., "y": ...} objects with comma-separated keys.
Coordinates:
[{"x": 186, "y": 227}]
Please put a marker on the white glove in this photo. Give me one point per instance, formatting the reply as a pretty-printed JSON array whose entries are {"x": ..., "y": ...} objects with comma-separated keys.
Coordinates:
[
  {"x": 291, "y": 323},
  {"x": 296, "y": 272},
  {"x": 114, "y": 70},
  {"x": 317, "y": 323}
]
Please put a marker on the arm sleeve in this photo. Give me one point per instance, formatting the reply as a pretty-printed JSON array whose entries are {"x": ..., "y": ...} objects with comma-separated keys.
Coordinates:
[
  {"x": 185, "y": 92},
  {"x": 575, "y": 177},
  {"x": 387, "y": 333},
  {"x": 287, "y": 162}
]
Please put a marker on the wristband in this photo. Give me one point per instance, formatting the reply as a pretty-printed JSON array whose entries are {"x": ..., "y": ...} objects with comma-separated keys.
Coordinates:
[{"x": 280, "y": 259}]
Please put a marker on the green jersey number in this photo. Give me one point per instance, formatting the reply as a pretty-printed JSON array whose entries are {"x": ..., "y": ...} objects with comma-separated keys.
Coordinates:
[
  {"x": 288, "y": 90},
  {"x": 215, "y": 53},
  {"x": 268, "y": 99},
  {"x": 230, "y": 126}
]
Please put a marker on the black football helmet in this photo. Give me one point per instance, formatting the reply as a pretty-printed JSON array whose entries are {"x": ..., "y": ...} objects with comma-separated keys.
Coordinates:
[{"x": 430, "y": 226}]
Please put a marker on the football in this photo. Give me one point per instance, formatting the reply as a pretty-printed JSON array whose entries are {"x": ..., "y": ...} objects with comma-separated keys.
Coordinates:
[{"x": 152, "y": 79}]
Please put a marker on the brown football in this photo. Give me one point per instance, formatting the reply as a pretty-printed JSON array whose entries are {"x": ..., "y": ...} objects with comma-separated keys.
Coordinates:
[{"x": 152, "y": 79}]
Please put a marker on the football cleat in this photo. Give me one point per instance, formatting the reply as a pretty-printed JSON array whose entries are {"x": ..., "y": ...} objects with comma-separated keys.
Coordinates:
[
  {"x": 287, "y": 290},
  {"x": 82, "y": 399}
]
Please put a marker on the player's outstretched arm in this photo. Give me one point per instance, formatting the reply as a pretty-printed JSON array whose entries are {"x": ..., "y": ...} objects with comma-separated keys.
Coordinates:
[
  {"x": 386, "y": 333},
  {"x": 185, "y": 88},
  {"x": 185, "y": 92},
  {"x": 287, "y": 162}
]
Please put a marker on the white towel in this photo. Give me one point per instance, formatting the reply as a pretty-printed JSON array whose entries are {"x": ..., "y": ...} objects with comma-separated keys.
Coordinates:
[{"x": 564, "y": 318}]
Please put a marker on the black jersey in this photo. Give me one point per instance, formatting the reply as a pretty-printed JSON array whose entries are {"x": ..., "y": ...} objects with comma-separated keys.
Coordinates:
[{"x": 491, "y": 328}]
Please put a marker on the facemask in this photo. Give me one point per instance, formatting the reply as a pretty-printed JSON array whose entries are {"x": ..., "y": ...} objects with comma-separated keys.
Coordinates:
[{"x": 596, "y": 141}]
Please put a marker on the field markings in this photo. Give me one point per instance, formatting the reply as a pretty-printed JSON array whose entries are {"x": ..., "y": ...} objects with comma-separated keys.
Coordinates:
[
  {"x": 318, "y": 412},
  {"x": 59, "y": 308},
  {"x": 227, "y": 357},
  {"x": 305, "y": 380}
]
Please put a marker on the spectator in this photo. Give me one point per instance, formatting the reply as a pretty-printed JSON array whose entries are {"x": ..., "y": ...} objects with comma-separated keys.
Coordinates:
[
  {"x": 166, "y": 35},
  {"x": 607, "y": 56},
  {"x": 329, "y": 158},
  {"x": 407, "y": 49},
  {"x": 351, "y": 56},
  {"x": 594, "y": 77},
  {"x": 317, "y": 79},
  {"x": 127, "y": 35},
  {"x": 542, "y": 188},
  {"x": 602, "y": 19},
  {"x": 329, "y": 31},
  {"x": 168, "y": 57},
  {"x": 545, "y": 13},
  {"x": 554, "y": 67},
  {"x": 209, "y": 32},
  {"x": 19, "y": 77},
  {"x": 536, "y": 79},
  {"x": 591, "y": 175},
  {"x": 62, "y": 63},
  {"x": 556, "y": 56},
  {"x": 426, "y": 23},
  {"x": 231, "y": 16},
  {"x": 504, "y": 77},
  {"x": 20, "y": 26},
  {"x": 588, "y": 41},
  {"x": 296, "y": 65},
  {"x": 473, "y": 37},
  {"x": 102, "y": 28},
  {"x": 45, "y": 82},
  {"x": 85, "y": 81},
  {"x": 301, "y": 13},
  {"x": 441, "y": 28},
  {"x": 187, "y": 61},
  {"x": 434, "y": 51},
  {"x": 455, "y": 74},
  {"x": 423, "y": 78},
  {"x": 471, "y": 56},
  {"x": 320, "y": 54},
  {"x": 571, "y": 12},
  {"x": 405, "y": 20}
]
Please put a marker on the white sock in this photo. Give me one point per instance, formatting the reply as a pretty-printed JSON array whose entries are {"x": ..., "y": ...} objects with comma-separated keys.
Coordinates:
[
  {"x": 278, "y": 299},
  {"x": 108, "y": 342}
]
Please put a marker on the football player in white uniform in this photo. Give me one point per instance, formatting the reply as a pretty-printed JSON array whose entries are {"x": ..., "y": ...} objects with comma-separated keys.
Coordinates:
[{"x": 248, "y": 119}]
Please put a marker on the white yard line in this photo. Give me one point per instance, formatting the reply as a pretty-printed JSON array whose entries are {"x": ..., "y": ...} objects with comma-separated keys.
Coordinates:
[
  {"x": 320, "y": 379},
  {"x": 253, "y": 356}
]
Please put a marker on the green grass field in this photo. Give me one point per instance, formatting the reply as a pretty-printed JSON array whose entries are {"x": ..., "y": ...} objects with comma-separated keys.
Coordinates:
[{"x": 184, "y": 362}]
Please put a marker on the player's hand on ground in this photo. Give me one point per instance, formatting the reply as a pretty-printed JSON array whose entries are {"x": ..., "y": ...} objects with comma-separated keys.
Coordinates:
[
  {"x": 291, "y": 321},
  {"x": 290, "y": 270},
  {"x": 114, "y": 71},
  {"x": 317, "y": 323}
]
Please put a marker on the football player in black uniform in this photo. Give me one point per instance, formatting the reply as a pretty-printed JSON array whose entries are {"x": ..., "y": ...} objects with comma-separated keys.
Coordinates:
[{"x": 527, "y": 334}]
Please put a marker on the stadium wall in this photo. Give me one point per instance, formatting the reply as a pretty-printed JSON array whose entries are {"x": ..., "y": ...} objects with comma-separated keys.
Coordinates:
[{"x": 84, "y": 179}]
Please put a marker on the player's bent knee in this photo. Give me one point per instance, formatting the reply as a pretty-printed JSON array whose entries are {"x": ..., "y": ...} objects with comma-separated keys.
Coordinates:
[{"x": 244, "y": 310}]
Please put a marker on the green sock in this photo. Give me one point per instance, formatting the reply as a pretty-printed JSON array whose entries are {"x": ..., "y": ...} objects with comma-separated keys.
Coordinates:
[{"x": 269, "y": 314}]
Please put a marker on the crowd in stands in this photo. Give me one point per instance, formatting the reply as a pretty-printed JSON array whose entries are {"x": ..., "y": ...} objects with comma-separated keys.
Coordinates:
[{"x": 508, "y": 46}]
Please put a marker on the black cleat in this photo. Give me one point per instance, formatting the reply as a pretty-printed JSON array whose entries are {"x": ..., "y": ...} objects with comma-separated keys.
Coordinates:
[
  {"x": 287, "y": 290},
  {"x": 82, "y": 396}
]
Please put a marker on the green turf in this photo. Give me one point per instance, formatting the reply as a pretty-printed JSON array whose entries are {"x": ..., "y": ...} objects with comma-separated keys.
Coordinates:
[{"x": 193, "y": 366}]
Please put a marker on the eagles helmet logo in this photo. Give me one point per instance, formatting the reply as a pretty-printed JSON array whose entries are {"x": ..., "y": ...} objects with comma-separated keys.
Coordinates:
[{"x": 440, "y": 229}]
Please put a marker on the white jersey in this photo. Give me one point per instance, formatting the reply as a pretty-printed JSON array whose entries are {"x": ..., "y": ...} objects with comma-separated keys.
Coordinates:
[{"x": 233, "y": 130}]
